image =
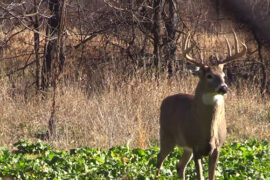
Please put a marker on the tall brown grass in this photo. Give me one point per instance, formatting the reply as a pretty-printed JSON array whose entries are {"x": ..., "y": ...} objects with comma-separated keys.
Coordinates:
[
  {"x": 102, "y": 105},
  {"x": 127, "y": 115}
]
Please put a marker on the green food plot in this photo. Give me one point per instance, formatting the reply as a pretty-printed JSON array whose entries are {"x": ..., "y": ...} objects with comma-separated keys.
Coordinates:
[{"x": 247, "y": 160}]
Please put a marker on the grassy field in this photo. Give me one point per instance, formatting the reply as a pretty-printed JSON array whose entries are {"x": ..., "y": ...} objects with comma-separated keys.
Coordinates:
[
  {"x": 128, "y": 114},
  {"x": 95, "y": 130},
  {"x": 246, "y": 160}
]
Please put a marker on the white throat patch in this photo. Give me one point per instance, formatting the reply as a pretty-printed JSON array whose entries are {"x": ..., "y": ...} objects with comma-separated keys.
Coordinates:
[{"x": 212, "y": 99}]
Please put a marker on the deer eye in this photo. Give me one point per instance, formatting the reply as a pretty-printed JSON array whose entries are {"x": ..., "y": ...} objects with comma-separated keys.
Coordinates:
[{"x": 209, "y": 76}]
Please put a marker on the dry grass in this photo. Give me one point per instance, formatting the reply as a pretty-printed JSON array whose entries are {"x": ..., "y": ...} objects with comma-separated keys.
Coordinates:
[
  {"x": 248, "y": 115},
  {"x": 124, "y": 112},
  {"x": 126, "y": 115}
]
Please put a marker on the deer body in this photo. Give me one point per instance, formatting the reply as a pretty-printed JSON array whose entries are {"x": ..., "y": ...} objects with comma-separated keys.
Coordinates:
[
  {"x": 197, "y": 122},
  {"x": 179, "y": 125}
]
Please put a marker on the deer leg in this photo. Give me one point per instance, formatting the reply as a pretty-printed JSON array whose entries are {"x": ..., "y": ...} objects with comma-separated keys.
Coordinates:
[
  {"x": 184, "y": 160},
  {"x": 198, "y": 164},
  {"x": 213, "y": 159},
  {"x": 166, "y": 146}
]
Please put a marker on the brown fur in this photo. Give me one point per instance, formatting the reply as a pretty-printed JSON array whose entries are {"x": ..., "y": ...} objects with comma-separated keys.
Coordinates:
[{"x": 186, "y": 121}]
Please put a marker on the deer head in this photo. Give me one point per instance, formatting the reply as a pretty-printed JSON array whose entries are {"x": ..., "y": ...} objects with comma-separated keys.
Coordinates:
[{"x": 212, "y": 76}]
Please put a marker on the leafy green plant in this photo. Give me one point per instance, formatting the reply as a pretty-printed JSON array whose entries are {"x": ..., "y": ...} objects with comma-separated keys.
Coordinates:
[{"x": 247, "y": 160}]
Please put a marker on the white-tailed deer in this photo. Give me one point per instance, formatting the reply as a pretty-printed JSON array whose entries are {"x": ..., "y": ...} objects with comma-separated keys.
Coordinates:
[{"x": 197, "y": 122}]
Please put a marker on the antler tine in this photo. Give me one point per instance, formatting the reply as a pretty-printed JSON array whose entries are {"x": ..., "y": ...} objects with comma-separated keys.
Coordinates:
[
  {"x": 187, "y": 49},
  {"x": 228, "y": 47},
  {"x": 236, "y": 42},
  {"x": 217, "y": 56},
  {"x": 237, "y": 53},
  {"x": 202, "y": 58},
  {"x": 186, "y": 41}
]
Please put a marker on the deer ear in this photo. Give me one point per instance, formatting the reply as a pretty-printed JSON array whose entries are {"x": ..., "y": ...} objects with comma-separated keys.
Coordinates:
[
  {"x": 221, "y": 66},
  {"x": 198, "y": 71}
]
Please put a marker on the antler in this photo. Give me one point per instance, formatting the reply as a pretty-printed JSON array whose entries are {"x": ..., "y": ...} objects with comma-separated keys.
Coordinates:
[
  {"x": 237, "y": 53},
  {"x": 187, "y": 49}
]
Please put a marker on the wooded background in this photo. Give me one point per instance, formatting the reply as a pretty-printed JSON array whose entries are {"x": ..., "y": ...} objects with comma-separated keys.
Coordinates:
[
  {"x": 134, "y": 34},
  {"x": 49, "y": 43}
]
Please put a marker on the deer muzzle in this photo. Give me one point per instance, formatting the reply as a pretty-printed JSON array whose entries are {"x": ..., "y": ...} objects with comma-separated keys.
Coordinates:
[{"x": 223, "y": 89}]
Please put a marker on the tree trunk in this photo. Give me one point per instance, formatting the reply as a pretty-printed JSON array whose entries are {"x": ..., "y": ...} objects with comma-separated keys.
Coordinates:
[
  {"x": 50, "y": 49},
  {"x": 58, "y": 63},
  {"x": 36, "y": 46},
  {"x": 171, "y": 40},
  {"x": 263, "y": 67},
  {"x": 157, "y": 23}
]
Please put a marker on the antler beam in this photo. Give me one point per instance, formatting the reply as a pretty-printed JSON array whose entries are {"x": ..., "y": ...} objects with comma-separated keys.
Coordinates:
[{"x": 186, "y": 50}]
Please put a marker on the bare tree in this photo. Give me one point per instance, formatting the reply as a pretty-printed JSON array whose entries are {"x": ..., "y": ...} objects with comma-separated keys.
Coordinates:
[
  {"x": 58, "y": 61},
  {"x": 24, "y": 16},
  {"x": 52, "y": 36},
  {"x": 170, "y": 43},
  {"x": 157, "y": 31}
]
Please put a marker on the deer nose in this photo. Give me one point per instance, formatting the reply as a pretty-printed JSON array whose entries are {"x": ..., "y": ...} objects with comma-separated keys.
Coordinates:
[{"x": 223, "y": 89}]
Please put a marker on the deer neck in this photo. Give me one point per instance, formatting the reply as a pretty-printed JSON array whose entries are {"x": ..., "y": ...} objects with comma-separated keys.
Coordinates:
[
  {"x": 208, "y": 99},
  {"x": 210, "y": 114},
  {"x": 208, "y": 106}
]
